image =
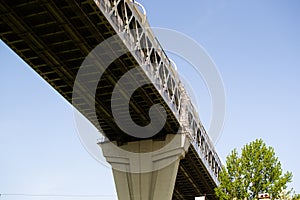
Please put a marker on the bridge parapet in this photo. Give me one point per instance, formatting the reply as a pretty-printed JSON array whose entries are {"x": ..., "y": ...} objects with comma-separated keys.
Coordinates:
[
  {"x": 128, "y": 19},
  {"x": 199, "y": 138}
]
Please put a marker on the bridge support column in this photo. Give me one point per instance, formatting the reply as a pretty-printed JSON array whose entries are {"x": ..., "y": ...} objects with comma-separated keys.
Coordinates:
[{"x": 147, "y": 169}]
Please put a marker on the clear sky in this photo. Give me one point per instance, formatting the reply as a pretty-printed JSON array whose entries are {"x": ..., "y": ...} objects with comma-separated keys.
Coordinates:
[{"x": 256, "y": 47}]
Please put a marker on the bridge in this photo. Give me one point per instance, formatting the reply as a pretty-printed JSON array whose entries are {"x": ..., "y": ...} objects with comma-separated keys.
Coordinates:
[{"x": 55, "y": 37}]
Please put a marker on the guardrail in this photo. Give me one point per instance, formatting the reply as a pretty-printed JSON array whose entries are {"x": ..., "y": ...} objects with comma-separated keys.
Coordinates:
[{"x": 129, "y": 18}]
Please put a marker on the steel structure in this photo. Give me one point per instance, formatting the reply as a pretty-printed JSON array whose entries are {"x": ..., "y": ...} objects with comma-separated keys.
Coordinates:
[{"x": 54, "y": 37}]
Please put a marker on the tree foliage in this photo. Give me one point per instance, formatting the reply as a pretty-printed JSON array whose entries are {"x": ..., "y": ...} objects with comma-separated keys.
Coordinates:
[
  {"x": 296, "y": 197},
  {"x": 256, "y": 170}
]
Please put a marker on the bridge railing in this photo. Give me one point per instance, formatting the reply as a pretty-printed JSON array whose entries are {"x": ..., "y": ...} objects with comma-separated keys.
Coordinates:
[
  {"x": 129, "y": 18},
  {"x": 200, "y": 139}
]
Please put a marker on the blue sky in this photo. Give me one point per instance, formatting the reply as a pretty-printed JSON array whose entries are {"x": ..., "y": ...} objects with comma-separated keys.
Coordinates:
[{"x": 256, "y": 47}]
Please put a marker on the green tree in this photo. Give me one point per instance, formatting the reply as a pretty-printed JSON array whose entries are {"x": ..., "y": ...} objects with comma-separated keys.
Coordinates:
[
  {"x": 256, "y": 170},
  {"x": 296, "y": 197}
]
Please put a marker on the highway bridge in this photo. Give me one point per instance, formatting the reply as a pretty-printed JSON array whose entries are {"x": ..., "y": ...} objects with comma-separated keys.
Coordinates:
[{"x": 54, "y": 38}]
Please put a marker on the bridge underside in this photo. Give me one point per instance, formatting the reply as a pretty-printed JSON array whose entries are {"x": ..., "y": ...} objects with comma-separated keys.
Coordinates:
[
  {"x": 54, "y": 37},
  {"x": 192, "y": 179}
]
